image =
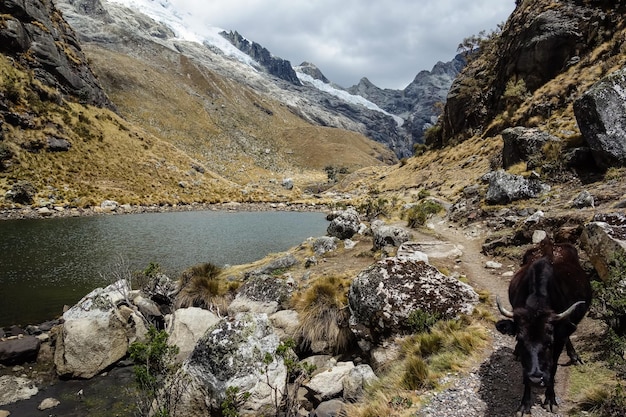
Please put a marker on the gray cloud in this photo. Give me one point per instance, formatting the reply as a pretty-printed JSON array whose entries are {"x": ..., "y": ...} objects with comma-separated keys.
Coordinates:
[{"x": 388, "y": 42}]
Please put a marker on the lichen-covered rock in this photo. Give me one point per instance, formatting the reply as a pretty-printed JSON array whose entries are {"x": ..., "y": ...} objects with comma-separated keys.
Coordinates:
[
  {"x": 521, "y": 144},
  {"x": 601, "y": 117},
  {"x": 324, "y": 244},
  {"x": 262, "y": 294},
  {"x": 186, "y": 326},
  {"x": 382, "y": 297},
  {"x": 604, "y": 241},
  {"x": 14, "y": 388},
  {"x": 345, "y": 225},
  {"x": 505, "y": 188},
  {"x": 281, "y": 263},
  {"x": 233, "y": 354},
  {"x": 96, "y": 332},
  {"x": 385, "y": 235}
]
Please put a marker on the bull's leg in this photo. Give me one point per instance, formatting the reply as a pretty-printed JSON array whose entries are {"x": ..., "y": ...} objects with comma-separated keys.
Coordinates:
[
  {"x": 571, "y": 352},
  {"x": 524, "y": 408},
  {"x": 550, "y": 403}
]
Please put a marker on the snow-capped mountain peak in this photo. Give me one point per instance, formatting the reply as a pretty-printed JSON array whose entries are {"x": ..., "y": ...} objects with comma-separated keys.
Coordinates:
[{"x": 164, "y": 12}]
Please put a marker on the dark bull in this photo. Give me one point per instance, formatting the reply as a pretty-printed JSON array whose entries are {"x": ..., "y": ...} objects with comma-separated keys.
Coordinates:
[{"x": 550, "y": 295}]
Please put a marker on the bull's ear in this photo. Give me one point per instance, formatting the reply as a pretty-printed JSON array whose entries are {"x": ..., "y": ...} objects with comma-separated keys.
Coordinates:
[{"x": 506, "y": 326}]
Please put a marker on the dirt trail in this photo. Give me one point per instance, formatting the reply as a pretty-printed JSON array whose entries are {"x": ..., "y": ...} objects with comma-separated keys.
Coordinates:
[{"x": 494, "y": 386}]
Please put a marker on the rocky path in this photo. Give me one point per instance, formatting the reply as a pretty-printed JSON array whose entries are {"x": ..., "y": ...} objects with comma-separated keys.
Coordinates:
[{"x": 493, "y": 387}]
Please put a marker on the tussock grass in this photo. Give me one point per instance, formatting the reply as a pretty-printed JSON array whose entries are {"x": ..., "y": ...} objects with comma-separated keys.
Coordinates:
[
  {"x": 323, "y": 309},
  {"x": 201, "y": 286},
  {"x": 424, "y": 359}
]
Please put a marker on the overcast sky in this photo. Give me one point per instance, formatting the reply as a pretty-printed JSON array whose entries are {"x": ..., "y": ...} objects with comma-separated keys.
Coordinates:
[{"x": 388, "y": 42}]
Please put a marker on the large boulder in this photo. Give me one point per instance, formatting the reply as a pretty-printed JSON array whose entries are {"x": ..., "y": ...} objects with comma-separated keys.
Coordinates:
[
  {"x": 386, "y": 235},
  {"x": 522, "y": 144},
  {"x": 234, "y": 353},
  {"x": 505, "y": 188},
  {"x": 96, "y": 332},
  {"x": 383, "y": 296},
  {"x": 604, "y": 241},
  {"x": 262, "y": 294},
  {"x": 345, "y": 224},
  {"x": 601, "y": 117},
  {"x": 186, "y": 326}
]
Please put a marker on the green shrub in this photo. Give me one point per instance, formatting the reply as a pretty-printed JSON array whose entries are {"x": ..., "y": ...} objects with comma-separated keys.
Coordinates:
[
  {"x": 157, "y": 392},
  {"x": 373, "y": 208},
  {"x": 418, "y": 214},
  {"x": 422, "y": 321}
]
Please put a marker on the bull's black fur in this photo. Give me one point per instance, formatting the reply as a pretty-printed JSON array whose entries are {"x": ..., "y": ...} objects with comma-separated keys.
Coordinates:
[{"x": 549, "y": 282}]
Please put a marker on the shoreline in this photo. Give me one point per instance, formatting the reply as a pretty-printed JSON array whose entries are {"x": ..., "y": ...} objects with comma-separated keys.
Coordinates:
[{"x": 46, "y": 212}]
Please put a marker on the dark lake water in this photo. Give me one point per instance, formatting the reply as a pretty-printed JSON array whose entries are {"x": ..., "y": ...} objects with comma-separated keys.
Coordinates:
[{"x": 46, "y": 263}]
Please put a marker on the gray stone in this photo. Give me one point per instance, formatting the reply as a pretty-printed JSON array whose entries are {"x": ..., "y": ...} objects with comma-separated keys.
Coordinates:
[
  {"x": 601, "y": 117},
  {"x": 186, "y": 326},
  {"x": 505, "y": 188},
  {"x": 262, "y": 294},
  {"x": 329, "y": 384},
  {"x": 232, "y": 354},
  {"x": 345, "y": 225},
  {"x": 324, "y": 244},
  {"x": 331, "y": 408},
  {"x": 385, "y": 235},
  {"x": 356, "y": 381},
  {"x": 96, "y": 333},
  {"x": 604, "y": 243},
  {"x": 583, "y": 199},
  {"x": 282, "y": 263},
  {"x": 521, "y": 144},
  {"x": 58, "y": 145},
  {"x": 48, "y": 403},
  {"x": 14, "y": 389},
  {"x": 382, "y": 297},
  {"x": 19, "y": 350}
]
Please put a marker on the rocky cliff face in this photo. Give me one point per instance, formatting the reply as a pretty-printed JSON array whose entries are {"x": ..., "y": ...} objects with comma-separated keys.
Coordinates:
[
  {"x": 547, "y": 51},
  {"x": 278, "y": 67},
  {"x": 418, "y": 104},
  {"x": 36, "y": 35}
]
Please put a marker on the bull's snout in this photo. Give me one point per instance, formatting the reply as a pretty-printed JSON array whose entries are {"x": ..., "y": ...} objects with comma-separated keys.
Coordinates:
[{"x": 538, "y": 378}]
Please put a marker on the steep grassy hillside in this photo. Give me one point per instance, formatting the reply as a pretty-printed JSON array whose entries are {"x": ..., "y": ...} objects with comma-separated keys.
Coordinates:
[
  {"x": 231, "y": 129},
  {"x": 78, "y": 155}
]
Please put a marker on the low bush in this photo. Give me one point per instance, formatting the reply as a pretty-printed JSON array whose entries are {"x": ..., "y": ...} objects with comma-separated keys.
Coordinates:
[{"x": 418, "y": 214}]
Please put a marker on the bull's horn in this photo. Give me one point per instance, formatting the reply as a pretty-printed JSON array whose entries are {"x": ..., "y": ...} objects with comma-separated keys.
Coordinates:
[
  {"x": 504, "y": 311},
  {"x": 569, "y": 311}
]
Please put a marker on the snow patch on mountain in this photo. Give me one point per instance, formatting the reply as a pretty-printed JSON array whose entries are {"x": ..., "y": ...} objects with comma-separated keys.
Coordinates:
[
  {"x": 344, "y": 95},
  {"x": 163, "y": 12}
]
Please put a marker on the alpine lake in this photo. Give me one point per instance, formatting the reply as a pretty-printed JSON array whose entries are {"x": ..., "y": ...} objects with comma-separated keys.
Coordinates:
[{"x": 46, "y": 264}]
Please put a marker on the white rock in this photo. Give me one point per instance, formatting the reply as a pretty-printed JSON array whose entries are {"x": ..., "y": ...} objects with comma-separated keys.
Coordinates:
[
  {"x": 329, "y": 384},
  {"x": 538, "y": 236},
  {"x": 493, "y": 265},
  {"x": 15, "y": 388},
  {"x": 48, "y": 403},
  {"x": 186, "y": 326}
]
